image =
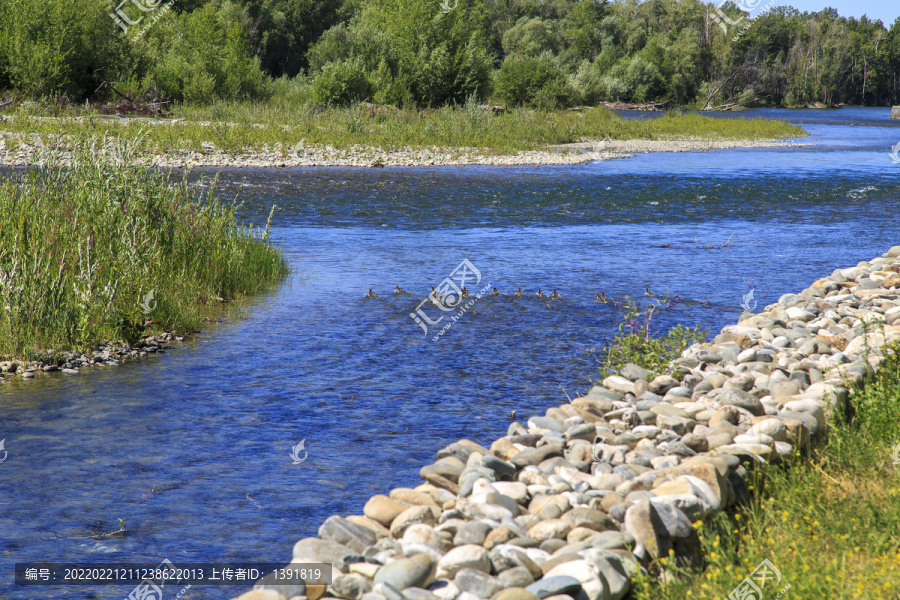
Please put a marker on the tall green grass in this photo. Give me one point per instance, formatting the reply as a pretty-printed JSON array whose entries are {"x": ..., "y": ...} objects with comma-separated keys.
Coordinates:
[
  {"x": 236, "y": 127},
  {"x": 82, "y": 247},
  {"x": 830, "y": 522}
]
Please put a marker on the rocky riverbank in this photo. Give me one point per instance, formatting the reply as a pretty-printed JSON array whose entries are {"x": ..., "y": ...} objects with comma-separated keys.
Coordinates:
[
  {"x": 18, "y": 150},
  {"x": 110, "y": 354},
  {"x": 575, "y": 503}
]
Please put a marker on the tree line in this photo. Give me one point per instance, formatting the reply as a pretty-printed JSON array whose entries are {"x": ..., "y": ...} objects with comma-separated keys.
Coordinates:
[{"x": 427, "y": 53}]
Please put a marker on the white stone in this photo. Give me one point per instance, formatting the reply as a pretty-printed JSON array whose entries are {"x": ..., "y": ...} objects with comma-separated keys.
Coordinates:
[
  {"x": 619, "y": 384},
  {"x": 773, "y": 428},
  {"x": 594, "y": 587},
  {"x": 421, "y": 534},
  {"x": 516, "y": 490},
  {"x": 799, "y": 314},
  {"x": 468, "y": 556},
  {"x": 754, "y": 438}
]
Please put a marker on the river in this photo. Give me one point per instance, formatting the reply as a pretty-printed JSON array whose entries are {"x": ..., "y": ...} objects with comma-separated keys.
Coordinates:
[{"x": 192, "y": 448}]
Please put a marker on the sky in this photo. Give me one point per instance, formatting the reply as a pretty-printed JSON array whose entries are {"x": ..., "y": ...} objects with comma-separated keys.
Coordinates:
[{"x": 886, "y": 10}]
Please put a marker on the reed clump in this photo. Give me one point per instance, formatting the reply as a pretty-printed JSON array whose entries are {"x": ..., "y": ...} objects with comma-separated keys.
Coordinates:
[{"x": 103, "y": 248}]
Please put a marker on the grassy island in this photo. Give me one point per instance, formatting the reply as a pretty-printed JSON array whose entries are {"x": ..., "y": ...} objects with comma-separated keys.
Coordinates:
[{"x": 233, "y": 128}]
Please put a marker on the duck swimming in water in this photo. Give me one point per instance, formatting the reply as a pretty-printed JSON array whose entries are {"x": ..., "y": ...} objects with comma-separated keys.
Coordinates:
[
  {"x": 371, "y": 294},
  {"x": 496, "y": 292},
  {"x": 398, "y": 290},
  {"x": 539, "y": 294},
  {"x": 602, "y": 298},
  {"x": 555, "y": 295},
  {"x": 520, "y": 293},
  {"x": 647, "y": 292},
  {"x": 465, "y": 292}
]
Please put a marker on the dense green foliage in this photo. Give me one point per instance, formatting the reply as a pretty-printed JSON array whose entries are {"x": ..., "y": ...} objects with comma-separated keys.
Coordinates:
[
  {"x": 80, "y": 248},
  {"x": 200, "y": 55},
  {"x": 429, "y": 53},
  {"x": 57, "y": 48}
]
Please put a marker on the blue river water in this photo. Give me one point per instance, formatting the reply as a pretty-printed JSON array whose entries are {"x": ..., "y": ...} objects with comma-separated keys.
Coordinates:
[{"x": 192, "y": 448}]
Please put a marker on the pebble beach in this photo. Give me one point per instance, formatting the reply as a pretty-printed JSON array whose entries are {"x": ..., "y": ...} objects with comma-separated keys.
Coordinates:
[{"x": 17, "y": 150}]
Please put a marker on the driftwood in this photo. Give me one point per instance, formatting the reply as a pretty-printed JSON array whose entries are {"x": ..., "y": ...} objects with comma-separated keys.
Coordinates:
[
  {"x": 5, "y": 104},
  {"x": 626, "y": 106},
  {"x": 151, "y": 103}
]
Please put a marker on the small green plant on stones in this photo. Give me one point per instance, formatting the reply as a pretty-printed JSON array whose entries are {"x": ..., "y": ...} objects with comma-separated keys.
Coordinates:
[{"x": 636, "y": 342}]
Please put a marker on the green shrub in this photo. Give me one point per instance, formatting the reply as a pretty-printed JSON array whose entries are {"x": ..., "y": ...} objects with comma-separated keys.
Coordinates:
[
  {"x": 202, "y": 56},
  {"x": 532, "y": 82},
  {"x": 67, "y": 47},
  {"x": 341, "y": 83}
]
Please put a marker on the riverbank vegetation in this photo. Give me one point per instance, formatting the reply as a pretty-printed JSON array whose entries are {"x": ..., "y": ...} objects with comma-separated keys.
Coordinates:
[
  {"x": 240, "y": 127},
  {"x": 829, "y": 522},
  {"x": 433, "y": 53},
  {"x": 98, "y": 250},
  {"x": 639, "y": 343}
]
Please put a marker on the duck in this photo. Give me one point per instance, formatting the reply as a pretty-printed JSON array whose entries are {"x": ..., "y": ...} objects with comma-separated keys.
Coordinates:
[
  {"x": 371, "y": 294},
  {"x": 496, "y": 292},
  {"x": 398, "y": 290},
  {"x": 555, "y": 295},
  {"x": 435, "y": 296},
  {"x": 465, "y": 292},
  {"x": 602, "y": 298},
  {"x": 520, "y": 293},
  {"x": 647, "y": 292},
  {"x": 539, "y": 294}
]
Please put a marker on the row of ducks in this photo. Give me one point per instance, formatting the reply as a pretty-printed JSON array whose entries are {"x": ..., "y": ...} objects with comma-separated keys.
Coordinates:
[{"x": 602, "y": 298}]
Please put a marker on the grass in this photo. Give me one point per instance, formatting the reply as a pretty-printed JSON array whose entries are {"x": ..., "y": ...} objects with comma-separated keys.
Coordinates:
[
  {"x": 238, "y": 127},
  {"x": 830, "y": 522},
  {"x": 81, "y": 248}
]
